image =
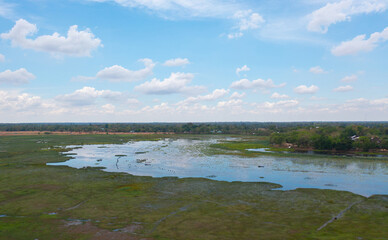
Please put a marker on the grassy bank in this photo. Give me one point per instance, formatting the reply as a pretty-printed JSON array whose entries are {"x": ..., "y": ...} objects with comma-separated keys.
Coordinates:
[
  {"x": 240, "y": 144},
  {"x": 46, "y": 202}
]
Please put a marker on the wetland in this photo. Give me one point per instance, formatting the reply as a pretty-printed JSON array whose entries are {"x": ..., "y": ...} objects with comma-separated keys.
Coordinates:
[
  {"x": 99, "y": 201},
  {"x": 185, "y": 158}
]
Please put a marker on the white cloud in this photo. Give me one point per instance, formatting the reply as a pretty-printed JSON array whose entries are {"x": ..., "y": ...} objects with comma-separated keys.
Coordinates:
[
  {"x": 315, "y": 98},
  {"x": 13, "y": 101},
  {"x": 349, "y": 79},
  {"x": 216, "y": 94},
  {"x": 237, "y": 95},
  {"x": 235, "y": 35},
  {"x": 346, "y": 88},
  {"x": 362, "y": 104},
  {"x": 82, "y": 79},
  {"x": 176, "y": 83},
  {"x": 108, "y": 108},
  {"x": 87, "y": 96},
  {"x": 340, "y": 11},
  {"x": 382, "y": 101},
  {"x": 2, "y": 58},
  {"x": 77, "y": 43},
  {"x": 6, "y": 10},
  {"x": 360, "y": 44},
  {"x": 118, "y": 73},
  {"x": 176, "y": 62},
  {"x": 182, "y": 8},
  {"x": 280, "y": 104},
  {"x": 255, "y": 84},
  {"x": 132, "y": 101},
  {"x": 276, "y": 95},
  {"x": 248, "y": 20},
  {"x": 16, "y": 107},
  {"x": 303, "y": 89},
  {"x": 19, "y": 76},
  {"x": 244, "y": 68},
  {"x": 317, "y": 70},
  {"x": 230, "y": 103}
]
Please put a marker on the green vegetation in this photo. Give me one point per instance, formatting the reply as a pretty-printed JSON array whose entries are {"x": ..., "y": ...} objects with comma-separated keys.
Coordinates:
[
  {"x": 241, "y": 128},
  {"x": 243, "y": 144},
  {"x": 340, "y": 138},
  {"x": 51, "y": 202}
]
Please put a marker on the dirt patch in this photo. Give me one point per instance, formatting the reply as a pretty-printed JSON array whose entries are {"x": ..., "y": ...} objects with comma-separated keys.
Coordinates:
[{"x": 87, "y": 228}]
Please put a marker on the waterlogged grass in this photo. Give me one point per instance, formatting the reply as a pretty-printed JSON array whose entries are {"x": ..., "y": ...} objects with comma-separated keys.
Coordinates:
[
  {"x": 53, "y": 202},
  {"x": 240, "y": 146}
]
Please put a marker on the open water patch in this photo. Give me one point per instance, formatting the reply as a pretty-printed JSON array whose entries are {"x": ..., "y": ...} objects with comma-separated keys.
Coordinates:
[{"x": 185, "y": 158}]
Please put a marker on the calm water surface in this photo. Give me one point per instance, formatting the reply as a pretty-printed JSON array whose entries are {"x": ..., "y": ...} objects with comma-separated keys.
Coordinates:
[{"x": 185, "y": 158}]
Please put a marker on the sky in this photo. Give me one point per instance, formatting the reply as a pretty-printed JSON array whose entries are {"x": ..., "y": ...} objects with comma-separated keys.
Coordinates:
[{"x": 193, "y": 60}]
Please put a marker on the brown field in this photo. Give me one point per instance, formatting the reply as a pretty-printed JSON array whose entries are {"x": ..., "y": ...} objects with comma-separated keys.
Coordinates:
[{"x": 30, "y": 133}]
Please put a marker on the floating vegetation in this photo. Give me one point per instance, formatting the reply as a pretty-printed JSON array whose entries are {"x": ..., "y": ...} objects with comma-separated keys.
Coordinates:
[{"x": 141, "y": 152}]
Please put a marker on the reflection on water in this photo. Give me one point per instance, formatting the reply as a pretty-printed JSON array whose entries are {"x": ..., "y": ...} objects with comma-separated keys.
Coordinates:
[{"x": 185, "y": 158}]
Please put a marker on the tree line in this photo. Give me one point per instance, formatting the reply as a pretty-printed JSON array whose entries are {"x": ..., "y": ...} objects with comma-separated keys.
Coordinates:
[{"x": 340, "y": 138}]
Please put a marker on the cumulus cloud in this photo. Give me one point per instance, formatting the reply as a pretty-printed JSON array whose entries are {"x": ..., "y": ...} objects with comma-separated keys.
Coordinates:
[
  {"x": 118, "y": 73},
  {"x": 248, "y": 20},
  {"x": 340, "y": 11},
  {"x": 346, "y": 88},
  {"x": 349, "y": 79},
  {"x": 237, "y": 95},
  {"x": 76, "y": 43},
  {"x": 317, "y": 70},
  {"x": 230, "y": 103},
  {"x": 244, "y": 68},
  {"x": 303, "y": 89},
  {"x": 176, "y": 62},
  {"x": 276, "y": 95},
  {"x": 132, "y": 101},
  {"x": 108, "y": 108},
  {"x": 362, "y": 104},
  {"x": 216, "y": 94},
  {"x": 2, "y": 58},
  {"x": 280, "y": 104},
  {"x": 19, "y": 76},
  {"x": 255, "y": 84},
  {"x": 176, "y": 83},
  {"x": 13, "y": 101},
  {"x": 360, "y": 44},
  {"x": 87, "y": 96}
]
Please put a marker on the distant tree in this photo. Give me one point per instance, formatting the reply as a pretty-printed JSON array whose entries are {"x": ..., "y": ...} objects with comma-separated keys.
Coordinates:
[
  {"x": 322, "y": 142},
  {"x": 364, "y": 143}
]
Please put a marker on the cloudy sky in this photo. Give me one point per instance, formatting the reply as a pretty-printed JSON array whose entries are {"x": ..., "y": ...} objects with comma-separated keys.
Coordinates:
[{"x": 193, "y": 60}]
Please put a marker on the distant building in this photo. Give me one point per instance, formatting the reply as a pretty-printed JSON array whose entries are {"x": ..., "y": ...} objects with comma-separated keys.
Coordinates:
[{"x": 354, "y": 137}]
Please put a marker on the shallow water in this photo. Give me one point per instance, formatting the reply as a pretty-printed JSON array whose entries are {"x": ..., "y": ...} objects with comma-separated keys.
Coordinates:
[{"x": 185, "y": 158}]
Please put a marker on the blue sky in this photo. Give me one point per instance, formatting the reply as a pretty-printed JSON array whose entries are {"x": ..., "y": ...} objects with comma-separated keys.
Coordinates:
[{"x": 197, "y": 60}]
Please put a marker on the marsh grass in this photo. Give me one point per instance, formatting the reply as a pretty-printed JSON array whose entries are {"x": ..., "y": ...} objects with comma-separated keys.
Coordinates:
[{"x": 165, "y": 208}]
